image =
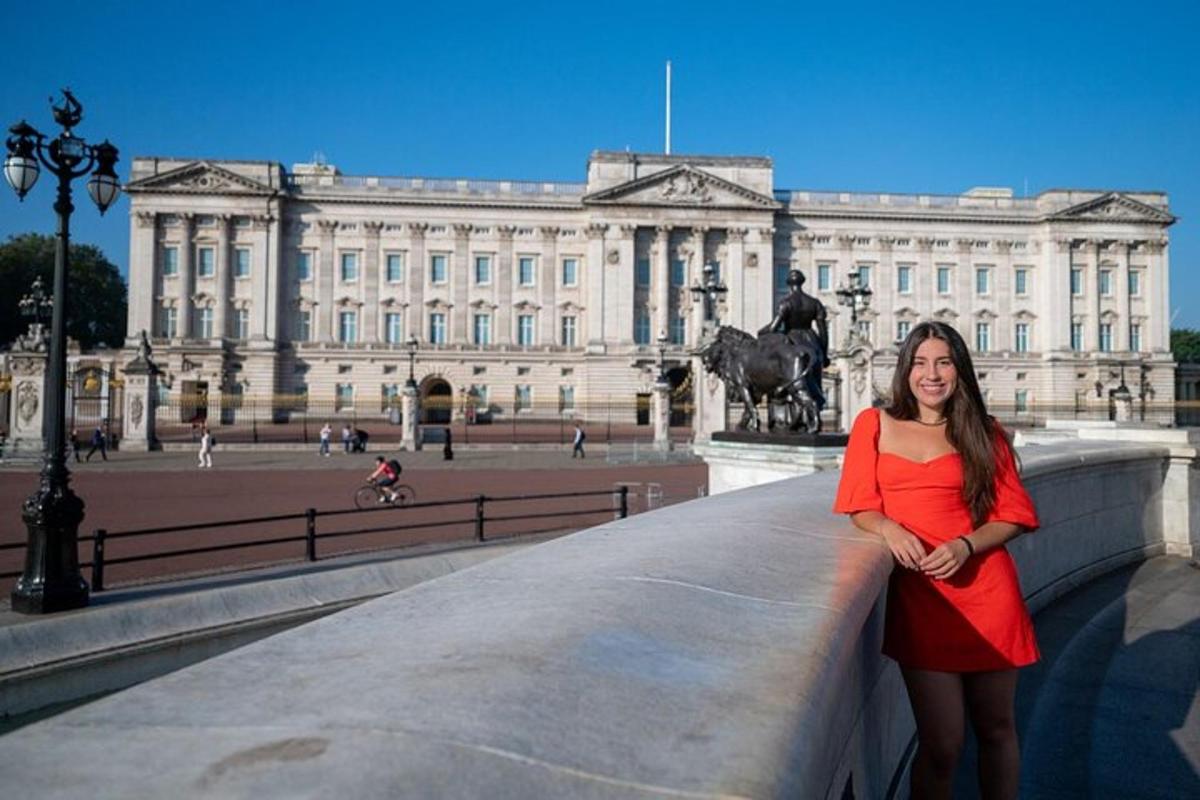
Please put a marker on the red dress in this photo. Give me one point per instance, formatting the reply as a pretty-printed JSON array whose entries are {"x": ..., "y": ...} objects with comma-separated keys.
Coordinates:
[{"x": 976, "y": 619}]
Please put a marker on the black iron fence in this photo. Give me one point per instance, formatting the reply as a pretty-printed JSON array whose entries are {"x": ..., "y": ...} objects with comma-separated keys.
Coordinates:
[{"x": 293, "y": 530}]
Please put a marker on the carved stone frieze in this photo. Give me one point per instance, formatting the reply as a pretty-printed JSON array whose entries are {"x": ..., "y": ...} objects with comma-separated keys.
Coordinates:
[
  {"x": 506, "y": 232},
  {"x": 28, "y": 366},
  {"x": 686, "y": 187},
  {"x": 549, "y": 231},
  {"x": 373, "y": 227},
  {"x": 327, "y": 226},
  {"x": 27, "y": 401},
  {"x": 135, "y": 411},
  {"x": 462, "y": 230}
]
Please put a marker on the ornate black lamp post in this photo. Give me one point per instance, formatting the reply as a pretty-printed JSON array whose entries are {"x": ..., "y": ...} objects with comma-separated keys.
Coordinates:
[
  {"x": 51, "y": 580},
  {"x": 37, "y": 308},
  {"x": 710, "y": 289},
  {"x": 412, "y": 344},
  {"x": 662, "y": 357},
  {"x": 855, "y": 297}
]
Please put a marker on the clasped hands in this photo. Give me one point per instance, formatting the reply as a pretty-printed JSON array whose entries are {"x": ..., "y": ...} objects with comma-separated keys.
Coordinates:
[{"x": 940, "y": 563}]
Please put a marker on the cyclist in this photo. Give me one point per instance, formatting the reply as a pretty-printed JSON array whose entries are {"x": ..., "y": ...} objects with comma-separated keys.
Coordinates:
[{"x": 385, "y": 476}]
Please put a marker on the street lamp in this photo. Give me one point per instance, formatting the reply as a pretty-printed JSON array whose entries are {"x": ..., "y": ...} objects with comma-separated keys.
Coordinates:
[
  {"x": 856, "y": 297},
  {"x": 51, "y": 580},
  {"x": 37, "y": 308},
  {"x": 709, "y": 290},
  {"x": 662, "y": 356},
  {"x": 412, "y": 344}
]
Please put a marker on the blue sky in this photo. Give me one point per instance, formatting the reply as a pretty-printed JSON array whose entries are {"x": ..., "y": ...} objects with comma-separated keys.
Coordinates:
[{"x": 902, "y": 97}]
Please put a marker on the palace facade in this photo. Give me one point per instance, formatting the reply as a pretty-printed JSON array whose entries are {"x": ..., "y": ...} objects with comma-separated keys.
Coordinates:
[{"x": 255, "y": 281}]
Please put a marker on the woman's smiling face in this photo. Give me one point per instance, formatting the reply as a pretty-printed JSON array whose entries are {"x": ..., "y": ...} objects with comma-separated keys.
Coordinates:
[{"x": 934, "y": 377}]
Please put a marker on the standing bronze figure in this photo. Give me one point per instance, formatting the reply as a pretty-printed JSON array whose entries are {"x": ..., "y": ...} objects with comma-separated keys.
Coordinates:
[{"x": 796, "y": 317}]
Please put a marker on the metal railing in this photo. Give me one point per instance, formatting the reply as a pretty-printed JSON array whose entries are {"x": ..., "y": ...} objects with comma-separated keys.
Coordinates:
[{"x": 477, "y": 520}]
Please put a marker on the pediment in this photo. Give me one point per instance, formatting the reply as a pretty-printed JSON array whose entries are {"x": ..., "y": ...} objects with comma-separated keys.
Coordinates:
[
  {"x": 1114, "y": 206},
  {"x": 683, "y": 186},
  {"x": 199, "y": 177}
]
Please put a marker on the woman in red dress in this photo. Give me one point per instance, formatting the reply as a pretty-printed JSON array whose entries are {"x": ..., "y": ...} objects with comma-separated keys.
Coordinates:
[{"x": 935, "y": 476}]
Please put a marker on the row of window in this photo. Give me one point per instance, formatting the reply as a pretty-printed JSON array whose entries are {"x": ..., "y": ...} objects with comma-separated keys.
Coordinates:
[
  {"x": 481, "y": 328},
  {"x": 203, "y": 322},
  {"x": 439, "y": 268},
  {"x": 1021, "y": 336},
  {"x": 206, "y": 262},
  {"x": 1022, "y": 279},
  {"x": 677, "y": 274},
  {"x": 478, "y": 396}
]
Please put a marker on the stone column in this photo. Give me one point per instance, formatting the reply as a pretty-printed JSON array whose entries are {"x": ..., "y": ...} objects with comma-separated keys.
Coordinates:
[
  {"x": 414, "y": 282},
  {"x": 1055, "y": 314},
  {"x": 503, "y": 334},
  {"x": 964, "y": 290},
  {"x": 1003, "y": 338},
  {"x": 1158, "y": 329},
  {"x": 325, "y": 269},
  {"x": 1121, "y": 276},
  {"x": 759, "y": 262},
  {"x": 277, "y": 296},
  {"x": 693, "y": 276},
  {"x": 594, "y": 281},
  {"x": 739, "y": 297},
  {"x": 221, "y": 312},
  {"x": 925, "y": 289},
  {"x": 141, "y": 401},
  {"x": 144, "y": 269},
  {"x": 370, "y": 282},
  {"x": 885, "y": 292},
  {"x": 187, "y": 276},
  {"x": 548, "y": 325},
  {"x": 261, "y": 279},
  {"x": 660, "y": 281},
  {"x": 410, "y": 411},
  {"x": 1091, "y": 283},
  {"x": 662, "y": 414},
  {"x": 28, "y": 406},
  {"x": 624, "y": 288},
  {"x": 459, "y": 281}
]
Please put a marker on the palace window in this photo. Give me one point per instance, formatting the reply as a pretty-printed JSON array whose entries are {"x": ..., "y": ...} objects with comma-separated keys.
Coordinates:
[
  {"x": 570, "y": 272},
  {"x": 1106, "y": 338},
  {"x": 480, "y": 392},
  {"x": 1135, "y": 337},
  {"x": 1106, "y": 285},
  {"x": 304, "y": 265},
  {"x": 904, "y": 279},
  {"x": 525, "y": 270},
  {"x": 393, "y": 327},
  {"x": 1135, "y": 283},
  {"x": 1021, "y": 282},
  {"x": 241, "y": 262},
  {"x": 983, "y": 281},
  {"x": 983, "y": 337},
  {"x": 204, "y": 323},
  {"x": 343, "y": 397},
  {"x": 437, "y": 328},
  {"x": 483, "y": 270},
  {"x": 641, "y": 327},
  {"x": 864, "y": 276},
  {"x": 349, "y": 267},
  {"x": 568, "y": 332},
  {"x": 566, "y": 398},
  {"x": 482, "y": 329},
  {"x": 943, "y": 280},
  {"x": 1021, "y": 401},
  {"x": 1077, "y": 336},
  {"x": 206, "y": 265},
  {"x": 169, "y": 321},
  {"x": 1021, "y": 337},
  {"x": 523, "y": 398},
  {"x": 903, "y": 327},
  {"x": 437, "y": 268},
  {"x": 241, "y": 322},
  {"x": 1076, "y": 282},
  {"x": 824, "y": 277},
  {"x": 170, "y": 261},
  {"x": 389, "y": 396},
  {"x": 677, "y": 329},
  {"x": 303, "y": 325},
  {"x": 525, "y": 330},
  {"x": 781, "y": 275},
  {"x": 348, "y": 327},
  {"x": 395, "y": 267},
  {"x": 642, "y": 273},
  {"x": 678, "y": 272}
]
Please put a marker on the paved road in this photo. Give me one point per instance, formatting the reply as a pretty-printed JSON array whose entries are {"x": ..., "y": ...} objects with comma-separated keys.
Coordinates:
[{"x": 142, "y": 490}]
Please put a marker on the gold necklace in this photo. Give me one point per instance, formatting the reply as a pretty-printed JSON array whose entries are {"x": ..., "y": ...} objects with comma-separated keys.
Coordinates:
[{"x": 920, "y": 421}]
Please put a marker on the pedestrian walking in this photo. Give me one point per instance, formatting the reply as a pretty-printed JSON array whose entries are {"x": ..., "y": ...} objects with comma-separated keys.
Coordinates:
[
  {"x": 580, "y": 436},
  {"x": 75, "y": 443},
  {"x": 98, "y": 443},
  {"x": 347, "y": 437},
  {"x": 326, "y": 435},
  {"x": 206, "y": 446}
]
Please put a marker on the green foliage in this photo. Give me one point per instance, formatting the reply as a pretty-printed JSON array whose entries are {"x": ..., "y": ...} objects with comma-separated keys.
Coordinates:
[
  {"x": 96, "y": 297},
  {"x": 1185, "y": 345}
]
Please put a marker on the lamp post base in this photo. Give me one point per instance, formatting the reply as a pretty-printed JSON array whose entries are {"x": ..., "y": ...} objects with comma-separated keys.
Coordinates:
[{"x": 51, "y": 580}]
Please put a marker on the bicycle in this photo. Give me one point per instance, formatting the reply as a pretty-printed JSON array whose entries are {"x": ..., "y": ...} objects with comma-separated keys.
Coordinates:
[{"x": 371, "y": 496}]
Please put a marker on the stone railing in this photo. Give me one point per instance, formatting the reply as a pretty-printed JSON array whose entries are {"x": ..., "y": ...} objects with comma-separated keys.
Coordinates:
[{"x": 727, "y": 647}]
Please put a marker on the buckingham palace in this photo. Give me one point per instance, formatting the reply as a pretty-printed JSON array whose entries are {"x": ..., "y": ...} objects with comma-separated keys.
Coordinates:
[{"x": 307, "y": 286}]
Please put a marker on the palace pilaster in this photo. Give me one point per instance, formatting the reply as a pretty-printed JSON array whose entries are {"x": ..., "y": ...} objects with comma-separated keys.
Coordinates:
[
  {"x": 325, "y": 270},
  {"x": 144, "y": 266},
  {"x": 593, "y": 281},
  {"x": 370, "y": 281},
  {"x": 187, "y": 276},
  {"x": 460, "y": 277},
  {"x": 503, "y": 334},
  {"x": 547, "y": 281},
  {"x": 414, "y": 282}
]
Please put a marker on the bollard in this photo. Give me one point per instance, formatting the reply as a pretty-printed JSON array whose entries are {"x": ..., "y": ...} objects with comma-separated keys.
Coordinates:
[
  {"x": 310, "y": 543},
  {"x": 624, "y": 502},
  {"x": 479, "y": 500},
  {"x": 98, "y": 560}
]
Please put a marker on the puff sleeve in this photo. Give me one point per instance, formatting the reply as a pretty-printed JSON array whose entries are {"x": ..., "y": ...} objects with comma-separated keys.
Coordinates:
[
  {"x": 1013, "y": 503},
  {"x": 859, "y": 488}
]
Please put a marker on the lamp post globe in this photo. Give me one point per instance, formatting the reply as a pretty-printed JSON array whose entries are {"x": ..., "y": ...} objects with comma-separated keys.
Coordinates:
[{"x": 51, "y": 580}]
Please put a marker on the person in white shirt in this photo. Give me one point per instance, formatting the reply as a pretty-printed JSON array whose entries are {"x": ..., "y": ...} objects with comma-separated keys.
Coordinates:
[
  {"x": 326, "y": 435},
  {"x": 577, "y": 450},
  {"x": 206, "y": 445}
]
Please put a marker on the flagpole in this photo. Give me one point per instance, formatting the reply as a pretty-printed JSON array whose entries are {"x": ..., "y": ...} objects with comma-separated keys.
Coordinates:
[{"x": 668, "y": 108}]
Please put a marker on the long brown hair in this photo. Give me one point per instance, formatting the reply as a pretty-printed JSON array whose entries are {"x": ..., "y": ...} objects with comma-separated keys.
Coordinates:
[{"x": 969, "y": 428}]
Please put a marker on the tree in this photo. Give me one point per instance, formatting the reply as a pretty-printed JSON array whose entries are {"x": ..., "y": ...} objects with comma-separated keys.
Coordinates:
[
  {"x": 96, "y": 304},
  {"x": 1185, "y": 345}
]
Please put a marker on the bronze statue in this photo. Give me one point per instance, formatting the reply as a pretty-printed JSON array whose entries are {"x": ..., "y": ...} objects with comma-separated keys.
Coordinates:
[
  {"x": 773, "y": 366},
  {"x": 795, "y": 317}
]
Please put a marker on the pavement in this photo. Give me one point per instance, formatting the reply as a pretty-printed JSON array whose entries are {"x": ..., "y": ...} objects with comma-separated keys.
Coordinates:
[{"x": 1113, "y": 708}]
